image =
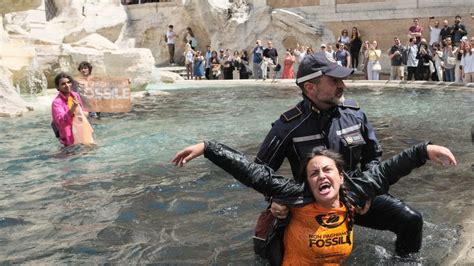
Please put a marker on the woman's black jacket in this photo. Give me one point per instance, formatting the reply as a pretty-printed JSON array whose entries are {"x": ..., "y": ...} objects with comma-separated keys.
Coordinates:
[
  {"x": 268, "y": 242},
  {"x": 367, "y": 185}
]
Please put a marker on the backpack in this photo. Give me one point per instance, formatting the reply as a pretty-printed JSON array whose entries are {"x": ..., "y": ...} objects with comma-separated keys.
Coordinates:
[
  {"x": 194, "y": 42},
  {"x": 55, "y": 129},
  {"x": 405, "y": 56}
]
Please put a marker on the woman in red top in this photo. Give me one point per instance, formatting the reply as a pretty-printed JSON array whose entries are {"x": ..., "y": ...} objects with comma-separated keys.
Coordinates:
[{"x": 289, "y": 61}]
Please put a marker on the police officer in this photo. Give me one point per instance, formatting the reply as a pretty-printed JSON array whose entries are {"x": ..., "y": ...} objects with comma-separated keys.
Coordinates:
[{"x": 325, "y": 119}]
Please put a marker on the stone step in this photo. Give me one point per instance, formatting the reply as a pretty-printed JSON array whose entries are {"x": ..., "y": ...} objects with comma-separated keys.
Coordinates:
[
  {"x": 180, "y": 70},
  {"x": 37, "y": 25}
]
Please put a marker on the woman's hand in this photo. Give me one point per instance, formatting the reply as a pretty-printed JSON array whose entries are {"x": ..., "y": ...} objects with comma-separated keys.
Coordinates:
[
  {"x": 187, "y": 154},
  {"x": 75, "y": 103},
  {"x": 278, "y": 210},
  {"x": 441, "y": 155}
]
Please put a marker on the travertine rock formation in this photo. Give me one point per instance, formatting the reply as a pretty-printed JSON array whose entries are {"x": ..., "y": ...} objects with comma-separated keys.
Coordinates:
[
  {"x": 221, "y": 24},
  {"x": 35, "y": 50},
  {"x": 11, "y": 104}
]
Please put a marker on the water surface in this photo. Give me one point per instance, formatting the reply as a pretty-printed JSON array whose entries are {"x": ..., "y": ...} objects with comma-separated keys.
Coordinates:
[{"x": 123, "y": 202}]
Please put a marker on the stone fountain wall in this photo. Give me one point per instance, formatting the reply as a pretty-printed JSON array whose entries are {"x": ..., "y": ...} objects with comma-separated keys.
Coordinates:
[
  {"x": 41, "y": 38},
  {"x": 35, "y": 47},
  {"x": 286, "y": 22},
  {"x": 214, "y": 25}
]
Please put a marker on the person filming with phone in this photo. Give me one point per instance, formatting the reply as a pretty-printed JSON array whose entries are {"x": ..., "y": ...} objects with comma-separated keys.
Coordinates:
[{"x": 459, "y": 31}]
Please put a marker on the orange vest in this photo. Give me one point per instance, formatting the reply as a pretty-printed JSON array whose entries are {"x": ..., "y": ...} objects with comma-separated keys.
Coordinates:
[{"x": 317, "y": 236}]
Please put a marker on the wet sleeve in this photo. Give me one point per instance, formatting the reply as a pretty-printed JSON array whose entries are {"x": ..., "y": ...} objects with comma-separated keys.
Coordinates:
[
  {"x": 371, "y": 151},
  {"x": 377, "y": 180},
  {"x": 257, "y": 176}
]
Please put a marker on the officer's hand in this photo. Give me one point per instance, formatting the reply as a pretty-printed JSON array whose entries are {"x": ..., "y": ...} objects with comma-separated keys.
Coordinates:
[
  {"x": 441, "y": 155},
  {"x": 364, "y": 210},
  {"x": 279, "y": 211}
]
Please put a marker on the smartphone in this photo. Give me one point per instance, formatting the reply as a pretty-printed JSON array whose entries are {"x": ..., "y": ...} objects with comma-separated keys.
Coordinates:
[{"x": 433, "y": 17}]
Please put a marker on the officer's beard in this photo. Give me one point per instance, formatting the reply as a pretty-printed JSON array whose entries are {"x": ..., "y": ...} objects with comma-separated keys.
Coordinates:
[
  {"x": 339, "y": 97},
  {"x": 332, "y": 101},
  {"x": 339, "y": 100}
]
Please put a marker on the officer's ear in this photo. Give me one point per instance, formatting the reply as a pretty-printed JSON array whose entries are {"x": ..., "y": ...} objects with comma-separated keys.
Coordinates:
[{"x": 308, "y": 88}]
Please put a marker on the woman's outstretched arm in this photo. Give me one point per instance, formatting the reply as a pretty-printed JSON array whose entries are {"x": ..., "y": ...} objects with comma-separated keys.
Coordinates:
[
  {"x": 259, "y": 177},
  {"x": 187, "y": 154},
  {"x": 377, "y": 180}
]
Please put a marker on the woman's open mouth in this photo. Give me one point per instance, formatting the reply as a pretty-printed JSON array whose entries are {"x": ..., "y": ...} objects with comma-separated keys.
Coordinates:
[{"x": 324, "y": 188}]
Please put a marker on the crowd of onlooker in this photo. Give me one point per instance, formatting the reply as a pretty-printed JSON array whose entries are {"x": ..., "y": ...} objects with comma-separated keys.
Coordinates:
[{"x": 446, "y": 57}]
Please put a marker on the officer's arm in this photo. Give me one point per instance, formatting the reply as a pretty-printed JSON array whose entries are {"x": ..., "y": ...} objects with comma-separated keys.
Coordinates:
[
  {"x": 273, "y": 150},
  {"x": 371, "y": 151}
]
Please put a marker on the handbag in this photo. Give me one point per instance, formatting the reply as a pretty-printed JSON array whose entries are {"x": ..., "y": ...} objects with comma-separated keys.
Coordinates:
[
  {"x": 376, "y": 66},
  {"x": 268, "y": 239},
  {"x": 451, "y": 60},
  {"x": 278, "y": 68}
]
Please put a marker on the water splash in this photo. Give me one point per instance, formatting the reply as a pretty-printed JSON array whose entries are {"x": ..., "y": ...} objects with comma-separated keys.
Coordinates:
[{"x": 33, "y": 80}]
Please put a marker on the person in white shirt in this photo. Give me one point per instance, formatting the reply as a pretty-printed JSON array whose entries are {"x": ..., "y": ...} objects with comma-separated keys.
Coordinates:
[
  {"x": 467, "y": 61},
  {"x": 328, "y": 54},
  {"x": 170, "y": 41},
  {"x": 435, "y": 31},
  {"x": 188, "y": 60},
  {"x": 438, "y": 61},
  {"x": 412, "y": 62},
  {"x": 344, "y": 38}
]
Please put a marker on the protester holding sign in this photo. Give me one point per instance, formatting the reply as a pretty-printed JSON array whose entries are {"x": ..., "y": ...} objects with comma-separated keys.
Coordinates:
[
  {"x": 103, "y": 94},
  {"x": 85, "y": 68},
  {"x": 67, "y": 109}
]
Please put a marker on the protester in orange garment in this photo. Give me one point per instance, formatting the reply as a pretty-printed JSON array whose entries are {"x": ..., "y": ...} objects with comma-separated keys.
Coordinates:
[{"x": 320, "y": 228}]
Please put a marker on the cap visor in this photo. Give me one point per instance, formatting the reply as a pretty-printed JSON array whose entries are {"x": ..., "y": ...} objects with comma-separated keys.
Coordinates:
[{"x": 339, "y": 72}]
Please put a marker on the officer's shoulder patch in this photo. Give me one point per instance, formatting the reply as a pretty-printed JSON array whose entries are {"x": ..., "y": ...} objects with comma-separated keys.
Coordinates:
[
  {"x": 291, "y": 114},
  {"x": 349, "y": 103}
]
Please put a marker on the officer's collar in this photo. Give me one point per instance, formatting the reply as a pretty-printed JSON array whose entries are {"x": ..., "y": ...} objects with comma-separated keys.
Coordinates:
[{"x": 310, "y": 106}]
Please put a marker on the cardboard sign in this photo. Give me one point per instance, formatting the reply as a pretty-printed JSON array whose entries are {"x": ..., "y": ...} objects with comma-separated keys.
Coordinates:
[{"x": 100, "y": 94}]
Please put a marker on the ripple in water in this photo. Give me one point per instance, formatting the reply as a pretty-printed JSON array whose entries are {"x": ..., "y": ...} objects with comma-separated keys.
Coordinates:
[{"x": 123, "y": 202}]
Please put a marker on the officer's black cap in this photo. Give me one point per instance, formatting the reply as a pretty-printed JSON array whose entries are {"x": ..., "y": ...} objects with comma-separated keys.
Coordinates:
[{"x": 317, "y": 64}]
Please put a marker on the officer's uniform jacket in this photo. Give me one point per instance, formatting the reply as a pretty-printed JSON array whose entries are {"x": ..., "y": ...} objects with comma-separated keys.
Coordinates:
[{"x": 343, "y": 128}]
